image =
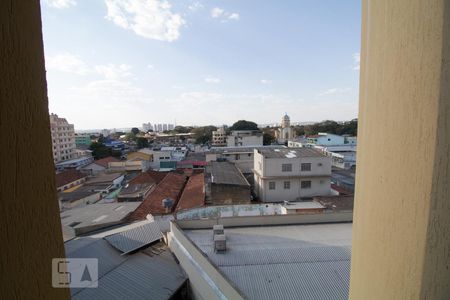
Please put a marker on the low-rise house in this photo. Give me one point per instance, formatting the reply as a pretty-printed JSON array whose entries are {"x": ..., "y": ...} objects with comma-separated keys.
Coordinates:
[
  {"x": 105, "y": 183},
  {"x": 291, "y": 174},
  {"x": 100, "y": 165},
  {"x": 80, "y": 196},
  {"x": 239, "y": 138},
  {"x": 68, "y": 179},
  {"x": 193, "y": 195},
  {"x": 163, "y": 199},
  {"x": 141, "y": 186},
  {"x": 225, "y": 184}
]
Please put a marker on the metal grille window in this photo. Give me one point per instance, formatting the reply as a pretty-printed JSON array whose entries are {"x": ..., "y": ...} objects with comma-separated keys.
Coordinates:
[
  {"x": 286, "y": 168},
  {"x": 287, "y": 185},
  {"x": 306, "y": 167},
  {"x": 271, "y": 185},
  {"x": 306, "y": 184}
]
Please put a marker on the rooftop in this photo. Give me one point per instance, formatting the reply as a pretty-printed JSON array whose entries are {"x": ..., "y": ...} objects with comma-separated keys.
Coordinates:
[
  {"x": 96, "y": 216},
  {"x": 303, "y": 205},
  {"x": 283, "y": 262},
  {"x": 290, "y": 153},
  {"x": 217, "y": 150},
  {"x": 152, "y": 271},
  {"x": 79, "y": 193},
  {"x": 170, "y": 187},
  {"x": 103, "y": 178},
  {"x": 68, "y": 176},
  {"x": 225, "y": 173},
  {"x": 336, "y": 203},
  {"x": 104, "y": 161},
  {"x": 149, "y": 176},
  {"x": 194, "y": 192}
]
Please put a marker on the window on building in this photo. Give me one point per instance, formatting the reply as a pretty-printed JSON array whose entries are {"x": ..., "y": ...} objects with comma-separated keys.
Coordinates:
[
  {"x": 287, "y": 185},
  {"x": 306, "y": 184},
  {"x": 306, "y": 167},
  {"x": 271, "y": 185},
  {"x": 286, "y": 167}
]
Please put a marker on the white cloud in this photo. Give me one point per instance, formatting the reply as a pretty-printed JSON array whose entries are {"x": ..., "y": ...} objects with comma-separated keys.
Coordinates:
[
  {"x": 212, "y": 79},
  {"x": 60, "y": 4},
  {"x": 356, "y": 60},
  {"x": 335, "y": 91},
  {"x": 218, "y": 12},
  {"x": 67, "y": 62},
  {"x": 150, "y": 66},
  {"x": 266, "y": 81},
  {"x": 234, "y": 16},
  {"x": 112, "y": 71},
  {"x": 151, "y": 19},
  {"x": 195, "y": 6}
]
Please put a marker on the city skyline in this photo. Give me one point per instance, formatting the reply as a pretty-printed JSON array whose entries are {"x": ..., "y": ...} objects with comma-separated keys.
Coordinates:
[{"x": 108, "y": 65}]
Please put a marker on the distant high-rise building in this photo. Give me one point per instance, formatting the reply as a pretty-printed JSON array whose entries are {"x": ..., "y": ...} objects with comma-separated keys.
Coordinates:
[
  {"x": 164, "y": 127},
  {"x": 63, "y": 138},
  {"x": 147, "y": 126},
  {"x": 159, "y": 127},
  {"x": 171, "y": 127}
]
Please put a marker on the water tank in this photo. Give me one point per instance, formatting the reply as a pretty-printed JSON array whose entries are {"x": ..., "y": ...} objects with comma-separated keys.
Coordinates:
[{"x": 167, "y": 203}]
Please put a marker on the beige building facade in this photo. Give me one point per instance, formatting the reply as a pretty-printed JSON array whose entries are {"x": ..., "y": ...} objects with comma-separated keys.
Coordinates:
[
  {"x": 291, "y": 174},
  {"x": 63, "y": 139},
  {"x": 219, "y": 137}
]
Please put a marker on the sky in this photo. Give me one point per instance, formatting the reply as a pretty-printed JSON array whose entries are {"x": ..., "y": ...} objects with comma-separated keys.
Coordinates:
[{"x": 121, "y": 63}]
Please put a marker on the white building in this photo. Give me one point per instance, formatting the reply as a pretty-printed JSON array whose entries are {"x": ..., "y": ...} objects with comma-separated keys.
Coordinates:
[
  {"x": 242, "y": 157},
  {"x": 63, "y": 138},
  {"x": 219, "y": 137},
  {"x": 291, "y": 174},
  {"x": 325, "y": 139},
  {"x": 240, "y": 138},
  {"x": 147, "y": 126},
  {"x": 285, "y": 133}
]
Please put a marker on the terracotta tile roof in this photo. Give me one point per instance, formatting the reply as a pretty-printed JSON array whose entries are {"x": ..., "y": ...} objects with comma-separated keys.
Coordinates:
[
  {"x": 149, "y": 177},
  {"x": 193, "y": 193},
  {"x": 336, "y": 203},
  {"x": 170, "y": 187},
  {"x": 341, "y": 190},
  {"x": 67, "y": 177},
  {"x": 104, "y": 161}
]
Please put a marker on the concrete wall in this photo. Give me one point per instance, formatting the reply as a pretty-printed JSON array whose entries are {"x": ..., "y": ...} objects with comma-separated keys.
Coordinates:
[
  {"x": 320, "y": 186},
  {"x": 30, "y": 228},
  {"x": 229, "y": 194},
  {"x": 205, "y": 280},
  {"x": 401, "y": 232},
  {"x": 324, "y": 217}
]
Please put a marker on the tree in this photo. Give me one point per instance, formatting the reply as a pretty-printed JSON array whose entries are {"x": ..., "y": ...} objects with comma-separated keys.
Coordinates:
[
  {"x": 268, "y": 138},
  {"x": 101, "y": 139},
  {"x": 130, "y": 136},
  {"x": 141, "y": 142},
  {"x": 182, "y": 129},
  {"x": 135, "y": 130},
  {"x": 244, "y": 125},
  {"x": 203, "y": 134},
  {"x": 99, "y": 150}
]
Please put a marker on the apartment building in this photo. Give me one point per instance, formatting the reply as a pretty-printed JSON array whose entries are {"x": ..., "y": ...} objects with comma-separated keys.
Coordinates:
[
  {"x": 239, "y": 138},
  {"x": 291, "y": 174},
  {"x": 63, "y": 138},
  {"x": 219, "y": 137}
]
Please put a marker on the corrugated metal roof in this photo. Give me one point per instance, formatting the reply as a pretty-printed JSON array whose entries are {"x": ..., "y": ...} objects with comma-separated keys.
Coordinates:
[
  {"x": 133, "y": 239},
  {"x": 284, "y": 262},
  {"x": 149, "y": 274}
]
